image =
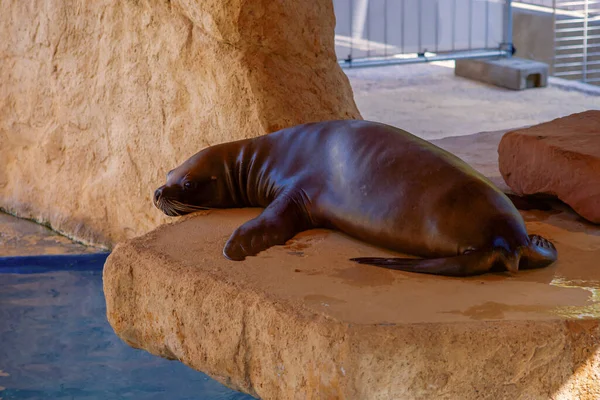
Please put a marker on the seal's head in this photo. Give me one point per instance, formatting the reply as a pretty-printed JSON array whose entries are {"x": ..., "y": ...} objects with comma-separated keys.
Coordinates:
[{"x": 198, "y": 184}]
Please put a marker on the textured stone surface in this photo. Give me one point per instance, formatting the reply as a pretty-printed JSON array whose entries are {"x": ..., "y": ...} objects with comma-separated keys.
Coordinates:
[
  {"x": 300, "y": 321},
  {"x": 99, "y": 99},
  {"x": 559, "y": 158}
]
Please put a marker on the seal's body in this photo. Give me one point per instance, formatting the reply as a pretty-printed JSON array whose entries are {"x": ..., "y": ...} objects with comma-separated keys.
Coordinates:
[{"x": 371, "y": 181}]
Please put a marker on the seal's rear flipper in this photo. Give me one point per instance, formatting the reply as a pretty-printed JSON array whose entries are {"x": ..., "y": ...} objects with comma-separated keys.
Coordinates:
[
  {"x": 539, "y": 254},
  {"x": 475, "y": 263}
]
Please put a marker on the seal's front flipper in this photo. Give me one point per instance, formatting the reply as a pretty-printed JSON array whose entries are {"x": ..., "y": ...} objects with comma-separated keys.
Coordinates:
[
  {"x": 475, "y": 263},
  {"x": 538, "y": 254},
  {"x": 278, "y": 223}
]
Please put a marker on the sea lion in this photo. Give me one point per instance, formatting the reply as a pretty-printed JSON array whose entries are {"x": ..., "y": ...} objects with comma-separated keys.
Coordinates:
[{"x": 372, "y": 181}]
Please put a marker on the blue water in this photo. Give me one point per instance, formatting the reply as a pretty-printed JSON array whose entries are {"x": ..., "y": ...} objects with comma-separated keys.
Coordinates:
[{"x": 55, "y": 341}]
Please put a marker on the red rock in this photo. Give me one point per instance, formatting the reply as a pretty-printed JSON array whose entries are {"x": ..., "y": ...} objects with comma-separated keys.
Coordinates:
[{"x": 559, "y": 158}]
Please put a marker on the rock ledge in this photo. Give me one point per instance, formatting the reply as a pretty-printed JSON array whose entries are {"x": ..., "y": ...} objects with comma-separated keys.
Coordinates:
[{"x": 300, "y": 321}]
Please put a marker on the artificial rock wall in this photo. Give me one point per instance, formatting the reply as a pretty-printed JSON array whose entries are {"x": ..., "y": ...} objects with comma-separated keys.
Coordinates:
[{"x": 98, "y": 100}]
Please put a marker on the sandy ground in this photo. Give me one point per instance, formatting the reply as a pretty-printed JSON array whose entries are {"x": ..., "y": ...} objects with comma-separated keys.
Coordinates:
[
  {"x": 425, "y": 99},
  {"x": 429, "y": 101}
]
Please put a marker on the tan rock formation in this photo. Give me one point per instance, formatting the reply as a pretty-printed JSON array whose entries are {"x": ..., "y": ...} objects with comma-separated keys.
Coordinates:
[
  {"x": 560, "y": 158},
  {"x": 302, "y": 322},
  {"x": 99, "y": 99}
]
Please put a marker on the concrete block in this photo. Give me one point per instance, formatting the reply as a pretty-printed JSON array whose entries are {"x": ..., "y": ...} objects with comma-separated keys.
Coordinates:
[{"x": 512, "y": 73}]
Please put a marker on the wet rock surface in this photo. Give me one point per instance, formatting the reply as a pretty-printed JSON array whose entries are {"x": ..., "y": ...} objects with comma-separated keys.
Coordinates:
[{"x": 19, "y": 237}]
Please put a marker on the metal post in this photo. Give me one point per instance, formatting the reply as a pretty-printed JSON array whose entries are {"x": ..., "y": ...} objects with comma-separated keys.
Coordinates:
[
  {"x": 437, "y": 24},
  {"x": 368, "y": 30},
  {"x": 359, "y": 18},
  {"x": 402, "y": 27},
  {"x": 470, "y": 24},
  {"x": 420, "y": 25},
  {"x": 453, "y": 25},
  {"x": 385, "y": 31},
  {"x": 487, "y": 22},
  {"x": 508, "y": 27},
  {"x": 350, "y": 4},
  {"x": 585, "y": 42},
  {"x": 552, "y": 67}
]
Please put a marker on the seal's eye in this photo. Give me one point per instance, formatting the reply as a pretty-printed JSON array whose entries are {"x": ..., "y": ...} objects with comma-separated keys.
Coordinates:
[{"x": 187, "y": 185}]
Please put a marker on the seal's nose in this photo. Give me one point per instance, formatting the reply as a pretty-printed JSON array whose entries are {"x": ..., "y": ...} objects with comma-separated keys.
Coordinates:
[{"x": 157, "y": 194}]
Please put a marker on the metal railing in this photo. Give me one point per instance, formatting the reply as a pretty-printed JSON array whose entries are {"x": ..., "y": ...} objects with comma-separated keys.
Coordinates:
[
  {"x": 576, "y": 27},
  {"x": 379, "y": 32},
  {"x": 577, "y": 40}
]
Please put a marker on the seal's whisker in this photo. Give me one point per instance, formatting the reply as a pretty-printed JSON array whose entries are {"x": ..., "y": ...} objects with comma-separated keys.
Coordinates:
[
  {"x": 174, "y": 205},
  {"x": 172, "y": 209},
  {"x": 164, "y": 205},
  {"x": 168, "y": 208},
  {"x": 193, "y": 208},
  {"x": 187, "y": 207},
  {"x": 179, "y": 207}
]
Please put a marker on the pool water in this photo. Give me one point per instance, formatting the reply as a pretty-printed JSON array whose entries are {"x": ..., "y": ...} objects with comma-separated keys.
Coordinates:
[{"x": 55, "y": 341}]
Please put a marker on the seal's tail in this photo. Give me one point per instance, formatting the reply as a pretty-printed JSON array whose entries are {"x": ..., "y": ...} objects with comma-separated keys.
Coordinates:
[{"x": 538, "y": 253}]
